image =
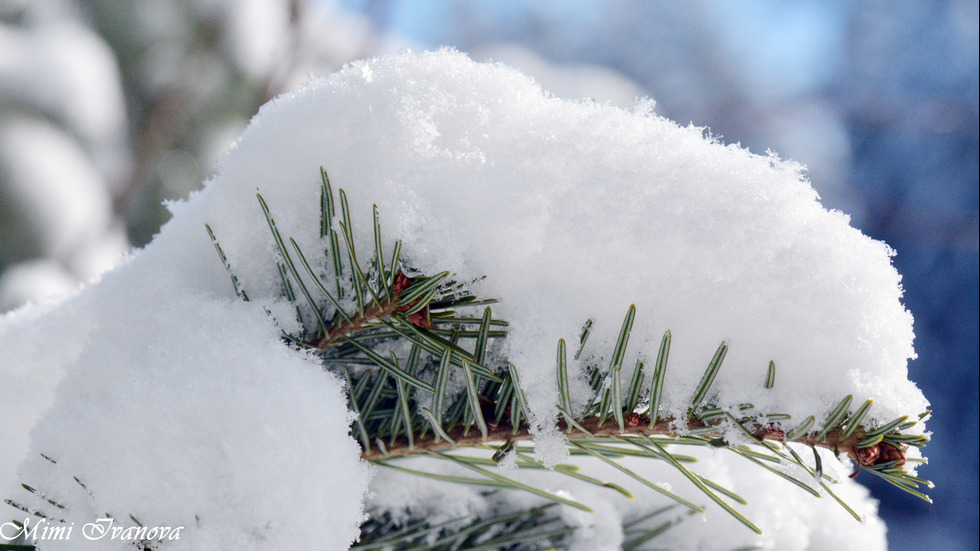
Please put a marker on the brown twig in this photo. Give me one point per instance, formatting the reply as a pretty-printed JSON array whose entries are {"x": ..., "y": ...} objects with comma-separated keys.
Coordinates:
[
  {"x": 637, "y": 425},
  {"x": 380, "y": 311}
]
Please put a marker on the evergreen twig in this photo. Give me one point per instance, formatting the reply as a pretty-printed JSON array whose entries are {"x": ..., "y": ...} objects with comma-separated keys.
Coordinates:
[
  {"x": 450, "y": 344},
  {"x": 427, "y": 402}
]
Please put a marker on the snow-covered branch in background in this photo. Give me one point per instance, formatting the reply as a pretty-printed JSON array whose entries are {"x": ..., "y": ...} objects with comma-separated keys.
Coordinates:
[
  {"x": 109, "y": 108},
  {"x": 63, "y": 143},
  {"x": 183, "y": 405}
]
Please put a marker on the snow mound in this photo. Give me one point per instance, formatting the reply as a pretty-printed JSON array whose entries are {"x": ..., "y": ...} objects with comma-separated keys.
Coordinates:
[
  {"x": 575, "y": 210},
  {"x": 182, "y": 406}
]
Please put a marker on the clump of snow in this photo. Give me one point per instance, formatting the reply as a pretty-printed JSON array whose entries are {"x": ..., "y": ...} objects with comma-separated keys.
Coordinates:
[
  {"x": 182, "y": 406},
  {"x": 575, "y": 210}
]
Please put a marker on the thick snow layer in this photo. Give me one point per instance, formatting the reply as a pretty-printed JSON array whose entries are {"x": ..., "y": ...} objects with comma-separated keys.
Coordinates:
[
  {"x": 575, "y": 210},
  {"x": 181, "y": 406}
]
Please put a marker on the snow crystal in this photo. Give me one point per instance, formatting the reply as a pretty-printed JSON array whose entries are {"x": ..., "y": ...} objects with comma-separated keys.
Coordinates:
[{"x": 182, "y": 406}]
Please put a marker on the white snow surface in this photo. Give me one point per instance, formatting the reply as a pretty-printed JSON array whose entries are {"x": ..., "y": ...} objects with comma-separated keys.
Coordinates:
[
  {"x": 182, "y": 406},
  {"x": 575, "y": 210}
]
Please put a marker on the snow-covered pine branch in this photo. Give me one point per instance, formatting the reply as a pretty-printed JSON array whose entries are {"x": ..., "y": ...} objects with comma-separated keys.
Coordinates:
[{"x": 183, "y": 405}]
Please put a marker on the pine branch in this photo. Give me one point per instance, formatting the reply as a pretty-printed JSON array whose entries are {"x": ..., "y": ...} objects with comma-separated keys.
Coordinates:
[
  {"x": 637, "y": 425},
  {"x": 535, "y": 528},
  {"x": 405, "y": 406},
  {"x": 448, "y": 398}
]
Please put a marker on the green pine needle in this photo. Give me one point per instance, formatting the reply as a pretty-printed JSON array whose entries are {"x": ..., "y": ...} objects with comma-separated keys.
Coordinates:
[
  {"x": 836, "y": 416},
  {"x": 709, "y": 376},
  {"x": 771, "y": 375},
  {"x": 657, "y": 384}
]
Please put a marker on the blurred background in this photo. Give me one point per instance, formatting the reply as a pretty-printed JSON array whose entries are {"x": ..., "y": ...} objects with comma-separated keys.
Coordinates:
[{"x": 108, "y": 108}]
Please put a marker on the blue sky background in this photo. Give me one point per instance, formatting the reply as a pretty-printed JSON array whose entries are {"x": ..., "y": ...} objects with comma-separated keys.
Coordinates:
[{"x": 879, "y": 99}]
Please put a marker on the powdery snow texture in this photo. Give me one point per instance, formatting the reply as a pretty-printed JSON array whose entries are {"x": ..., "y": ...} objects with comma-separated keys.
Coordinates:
[
  {"x": 182, "y": 406},
  {"x": 576, "y": 210}
]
